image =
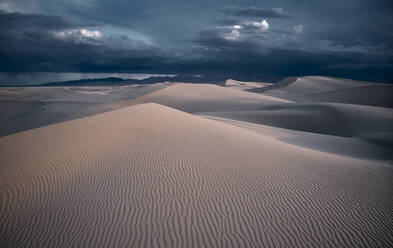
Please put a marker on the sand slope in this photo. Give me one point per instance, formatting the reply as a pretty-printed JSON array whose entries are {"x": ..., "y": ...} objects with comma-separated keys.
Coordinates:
[
  {"x": 148, "y": 176},
  {"x": 381, "y": 96},
  {"x": 194, "y": 98},
  {"x": 242, "y": 85},
  {"x": 313, "y": 84},
  {"x": 373, "y": 146},
  {"x": 345, "y": 120},
  {"x": 31, "y": 107},
  {"x": 326, "y": 89}
]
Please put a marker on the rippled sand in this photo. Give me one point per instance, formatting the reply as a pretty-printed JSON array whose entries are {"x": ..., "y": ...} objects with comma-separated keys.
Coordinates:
[{"x": 150, "y": 175}]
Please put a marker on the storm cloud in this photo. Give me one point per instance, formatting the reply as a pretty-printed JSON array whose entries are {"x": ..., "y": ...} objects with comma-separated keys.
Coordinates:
[
  {"x": 32, "y": 42},
  {"x": 273, "y": 37},
  {"x": 255, "y": 12}
]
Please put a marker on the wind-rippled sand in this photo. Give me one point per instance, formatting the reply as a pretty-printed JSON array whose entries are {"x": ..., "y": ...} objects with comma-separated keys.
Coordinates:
[{"x": 153, "y": 176}]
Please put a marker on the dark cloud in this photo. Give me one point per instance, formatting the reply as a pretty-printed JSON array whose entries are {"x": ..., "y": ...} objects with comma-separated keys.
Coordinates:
[
  {"x": 286, "y": 52},
  {"x": 49, "y": 43},
  {"x": 228, "y": 21},
  {"x": 19, "y": 21},
  {"x": 255, "y": 12},
  {"x": 251, "y": 37}
]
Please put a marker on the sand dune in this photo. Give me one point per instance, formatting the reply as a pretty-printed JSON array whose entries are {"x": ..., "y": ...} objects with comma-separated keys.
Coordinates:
[
  {"x": 314, "y": 84},
  {"x": 149, "y": 175},
  {"x": 204, "y": 97},
  {"x": 326, "y": 89},
  {"x": 242, "y": 85},
  {"x": 250, "y": 170},
  {"x": 34, "y": 107},
  {"x": 345, "y": 120},
  {"x": 367, "y": 95},
  {"x": 373, "y": 146},
  {"x": 31, "y": 107}
]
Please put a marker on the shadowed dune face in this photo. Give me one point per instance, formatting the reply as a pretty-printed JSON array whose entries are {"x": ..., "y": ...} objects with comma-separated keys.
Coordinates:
[
  {"x": 315, "y": 84},
  {"x": 325, "y": 89},
  {"x": 149, "y": 175},
  {"x": 326, "y": 118},
  {"x": 373, "y": 146},
  {"x": 312, "y": 85},
  {"x": 368, "y": 95}
]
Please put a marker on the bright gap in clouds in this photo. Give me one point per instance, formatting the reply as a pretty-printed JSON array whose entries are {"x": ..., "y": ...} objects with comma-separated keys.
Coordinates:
[
  {"x": 263, "y": 25},
  {"x": 90, "y": 34},
  {"x": 236, "y": 29},
  {"x": 78, "y": 33}
]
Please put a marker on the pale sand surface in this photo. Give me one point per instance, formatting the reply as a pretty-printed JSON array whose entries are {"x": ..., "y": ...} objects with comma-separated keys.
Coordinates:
[
  {"x": 194, "y": 98},
  {"x": 363, "y": 147},
  {"x": 149, "y": 175},
  {"x": 240, "y": 169},
  {"x": 242, "y": 85},
  {"x": 32, "y": 107},
  {"x": 314, "y": 84}
]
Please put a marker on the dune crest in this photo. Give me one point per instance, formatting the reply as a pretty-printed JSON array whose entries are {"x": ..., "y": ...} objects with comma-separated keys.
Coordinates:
[
  {"x": 193, "y": 98},
  {"x": 242, "y": 85},
  {"x": 327, "y": 89}
]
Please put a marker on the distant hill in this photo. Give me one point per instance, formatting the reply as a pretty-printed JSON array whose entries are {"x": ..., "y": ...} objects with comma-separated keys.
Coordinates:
[{"x": 114, "y": 81}]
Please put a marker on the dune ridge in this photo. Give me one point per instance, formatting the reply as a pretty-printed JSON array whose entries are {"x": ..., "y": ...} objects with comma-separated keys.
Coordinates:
[
  {"x": 312, "y": 84},
  {"x": 194, "y": 98},
  {"x": 242, "y": 85},
  {"x": 149, "y": 175},
  {"x": 24, "y": 108},
  {"x": 327, "y": 89}
]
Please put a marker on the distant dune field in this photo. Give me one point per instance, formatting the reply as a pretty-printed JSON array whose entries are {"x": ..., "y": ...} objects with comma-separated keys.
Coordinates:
[
  {"x": 325, "y": 89},
  {"x": 194, "y": 165}
]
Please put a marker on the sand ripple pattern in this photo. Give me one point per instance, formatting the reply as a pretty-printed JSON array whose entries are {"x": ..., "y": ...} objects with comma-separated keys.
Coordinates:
[{"x": 151, "y": 176}]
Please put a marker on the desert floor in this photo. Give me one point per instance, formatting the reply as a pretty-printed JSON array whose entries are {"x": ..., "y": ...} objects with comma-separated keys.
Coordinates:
[{"x": 307, "y": 162}]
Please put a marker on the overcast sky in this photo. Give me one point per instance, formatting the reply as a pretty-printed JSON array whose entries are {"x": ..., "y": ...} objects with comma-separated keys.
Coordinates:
[{"x": 347, "y": 38}]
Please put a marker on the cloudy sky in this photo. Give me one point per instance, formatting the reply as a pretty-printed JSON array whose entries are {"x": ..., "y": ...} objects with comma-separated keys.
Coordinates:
[{"x": 351, "y": 38}]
